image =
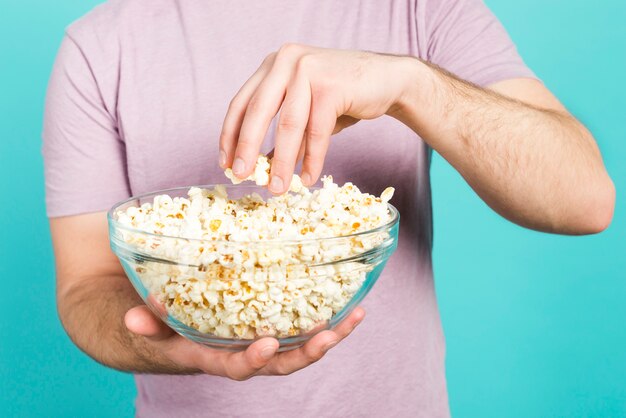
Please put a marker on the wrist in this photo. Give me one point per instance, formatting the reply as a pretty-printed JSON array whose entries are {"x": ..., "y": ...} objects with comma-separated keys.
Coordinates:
[{"x": 416, "y": 86}]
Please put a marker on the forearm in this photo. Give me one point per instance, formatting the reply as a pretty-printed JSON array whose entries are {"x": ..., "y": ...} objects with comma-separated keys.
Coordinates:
[
  {"x": 92, "y": 312},
  {"x": 539, "y": 168}
]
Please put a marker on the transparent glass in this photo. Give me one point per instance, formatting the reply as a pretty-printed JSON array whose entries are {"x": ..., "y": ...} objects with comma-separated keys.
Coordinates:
[{"x": 188, "y": 283}]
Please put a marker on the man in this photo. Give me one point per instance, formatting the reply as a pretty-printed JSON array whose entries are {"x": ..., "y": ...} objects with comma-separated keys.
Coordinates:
[{"x": 136, "y": 103}]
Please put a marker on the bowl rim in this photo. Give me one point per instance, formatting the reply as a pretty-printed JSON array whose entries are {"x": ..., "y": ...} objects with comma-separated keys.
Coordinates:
[{"x": 395, "y": 218}]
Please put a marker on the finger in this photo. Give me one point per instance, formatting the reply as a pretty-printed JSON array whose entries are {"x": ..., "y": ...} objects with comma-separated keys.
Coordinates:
[
  {"x": 141, "y": 321},
  {"x": 291, "y": 361},
  {"x": 236, "y": 111},
  {"x": 294, "y": 360},
  {"x": 345, "y": 327},
  {"x": 245, "y": 364},
  {"x": 270, "y": 154},
  {"x": 302, "y": 149},
  {"x": 317, "y": 139},
  {"x": 262, "y": 107},
  {"x": 292, "y": 122}
]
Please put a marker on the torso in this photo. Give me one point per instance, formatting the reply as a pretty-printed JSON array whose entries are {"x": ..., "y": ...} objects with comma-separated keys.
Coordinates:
[{"x": 180, "y": 64}]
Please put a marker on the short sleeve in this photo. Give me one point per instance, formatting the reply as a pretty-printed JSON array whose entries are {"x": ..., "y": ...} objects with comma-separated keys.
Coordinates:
[
  {"x": 466, "y": 39},
  {"x": 84, "y": 157}
]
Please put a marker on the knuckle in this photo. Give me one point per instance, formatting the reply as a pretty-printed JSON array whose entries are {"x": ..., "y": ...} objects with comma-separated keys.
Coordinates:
[
  {"x": 236, "y": 376},
  {"x": 315, "y": 133},
  {"x": 282, "y": 370},
  {"x": 240, "y": 378},
  {"x": 287, "y": 122},
  {"x": 313, "y": 357},
  {"x": 289, "y": 49},
  {"x": 236, "y": 104},
  {"x": 269, "y": 59},
  {"x": 245, "y": 142},
  {"x": 305, "y": 63},
  {"x": 254, "y": 105}
]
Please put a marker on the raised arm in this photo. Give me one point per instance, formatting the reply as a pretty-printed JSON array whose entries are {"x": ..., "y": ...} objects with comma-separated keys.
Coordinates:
[{"x": 514, "y": 143}]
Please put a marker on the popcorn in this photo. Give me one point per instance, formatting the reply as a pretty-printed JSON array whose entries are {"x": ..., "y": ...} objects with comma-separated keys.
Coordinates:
[
  {"x": 261, "y": 175},
  {"x": 248, "y": 267}
]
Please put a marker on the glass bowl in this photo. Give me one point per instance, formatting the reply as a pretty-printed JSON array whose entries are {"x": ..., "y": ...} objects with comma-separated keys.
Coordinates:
[{"x": 189, "y": 284}]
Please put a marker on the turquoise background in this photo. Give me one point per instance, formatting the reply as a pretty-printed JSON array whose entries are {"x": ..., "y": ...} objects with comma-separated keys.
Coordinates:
[{"x": 535, "y": 323}]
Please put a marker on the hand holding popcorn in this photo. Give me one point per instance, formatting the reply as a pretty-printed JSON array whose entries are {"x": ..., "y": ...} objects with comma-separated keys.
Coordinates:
[{"x": 260, "y": 358}]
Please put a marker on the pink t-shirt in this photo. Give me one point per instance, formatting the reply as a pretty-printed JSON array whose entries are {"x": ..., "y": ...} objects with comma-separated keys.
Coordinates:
[{"x": 135, "y": 104}]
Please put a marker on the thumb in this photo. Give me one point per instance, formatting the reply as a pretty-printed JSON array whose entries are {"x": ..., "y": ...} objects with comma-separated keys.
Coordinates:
[{"x": 141, "y": 321}]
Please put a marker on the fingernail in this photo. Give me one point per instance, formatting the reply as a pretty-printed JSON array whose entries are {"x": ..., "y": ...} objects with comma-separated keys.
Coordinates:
[
  {"x": 329, "y": 346},
  {"x": 239, "y": 166},
  {"x": 276, "y": 185},
  {"x": 268, "y": 352},
  {"x": 222, "y": 159},
  {"x": 306, "y": 179}
]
